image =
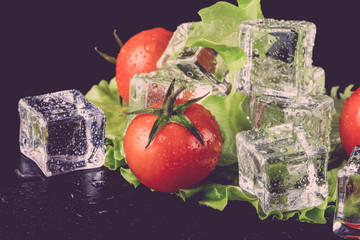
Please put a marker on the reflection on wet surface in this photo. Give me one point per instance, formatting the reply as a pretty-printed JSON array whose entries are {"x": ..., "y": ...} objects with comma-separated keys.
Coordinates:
[
  {"x": 28, "y": 169},
  {"x": 85, "y": 185},
  {"x": 100, "y": 204}
]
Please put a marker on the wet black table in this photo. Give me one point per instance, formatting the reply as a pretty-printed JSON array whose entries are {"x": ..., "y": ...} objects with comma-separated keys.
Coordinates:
[{"x": 100, "y": 204}]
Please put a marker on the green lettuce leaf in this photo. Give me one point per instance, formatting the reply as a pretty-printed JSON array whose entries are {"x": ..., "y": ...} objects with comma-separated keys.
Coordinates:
[
  {"x": 231, "y": 119},
  {"x": 219, "y": 26},
  {"x": 105, "y": 96},
  {"x": 217, "y": 196},
  {"x": 114, "y": 157},
  {"x": 127, "y": 174}
]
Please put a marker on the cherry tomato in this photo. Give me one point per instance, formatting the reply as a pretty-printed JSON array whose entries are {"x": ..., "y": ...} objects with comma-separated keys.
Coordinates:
[
  {"x": 139, "y": 55},
  {"x": 175, "y": 159},
  {"x": 349, "y": 122}
]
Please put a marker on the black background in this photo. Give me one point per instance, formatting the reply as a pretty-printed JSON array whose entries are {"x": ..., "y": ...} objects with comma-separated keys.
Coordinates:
[{"x": 48, "y": 46}]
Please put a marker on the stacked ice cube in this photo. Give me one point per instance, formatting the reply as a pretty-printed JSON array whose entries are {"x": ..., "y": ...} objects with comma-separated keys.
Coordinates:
[
  {"x": 279, "y": 58},
  {"x": 202, "y": 69},
  {"x": 62, "y": 132},
  {"x": 313, "y": 113},
  {"x": 347, "y": 214},
  {"x": 148, "y": 89},
  {"x": 283, "y": 159},
  {"x": 283, "y": 166},
  {"x": 198, "y": 63}
]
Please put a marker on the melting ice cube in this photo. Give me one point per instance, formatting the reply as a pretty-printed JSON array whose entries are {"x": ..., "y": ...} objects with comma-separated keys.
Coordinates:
[
  {"x": 62, "y": 132},
  {"x": 347, "y": 213},
  {"x": 148, "y": 89},
  {"x": 283, "y": 166},
  {"x": 198, "y": 63},
  {"x": 316, "y": 85},
  {"x": 279, "y": 57},
  {"x": 313, "y": 113}
]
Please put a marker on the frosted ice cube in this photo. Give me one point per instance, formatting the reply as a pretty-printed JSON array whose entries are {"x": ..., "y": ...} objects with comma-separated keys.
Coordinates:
[
  {"x": 199, "y": 63},
  {"x": 148, "y": 89},
  {"x": 283, "y": 167},
  {"x": 316, "y": 84},
  {"x": 62, "y": 132},
  {"x": 313, "y": 113},
  {"x": 347, "y": 213},
  {"x": 279, "y": 57}
]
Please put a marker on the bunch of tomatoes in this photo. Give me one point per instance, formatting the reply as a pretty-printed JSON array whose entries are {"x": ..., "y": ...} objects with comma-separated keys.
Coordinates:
[{"x": 176, "y": 159}]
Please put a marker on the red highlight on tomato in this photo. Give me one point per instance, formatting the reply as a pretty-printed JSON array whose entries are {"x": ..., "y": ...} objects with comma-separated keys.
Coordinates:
[
  {"x": 139, "y": 55},
  {"x": 349, "y": 122}
]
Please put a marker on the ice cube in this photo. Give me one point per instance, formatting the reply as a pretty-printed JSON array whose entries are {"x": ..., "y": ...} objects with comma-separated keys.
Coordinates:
[
  {"x": 279, "y": 57},
  {"x": 148, "y": 89},
  {"x": 316, "y": 84},
  {"x": 313, "y": 113},
  {"x": 283, "y": 167},
  {"x": 347, "y": 213},
  {"x": 199, "y": 63},
  {"x": 62, "y": 132}
]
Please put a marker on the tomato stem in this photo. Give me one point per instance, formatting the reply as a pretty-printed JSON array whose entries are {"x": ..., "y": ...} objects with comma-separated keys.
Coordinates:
[
  {"x": 171, "y": 112},
  {"x": 117, "y": 39},
  {"x": 106, "y": 56}
]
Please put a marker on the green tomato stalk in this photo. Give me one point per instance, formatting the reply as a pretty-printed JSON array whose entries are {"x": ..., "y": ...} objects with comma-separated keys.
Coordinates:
[{"x": 172, "y": 112}]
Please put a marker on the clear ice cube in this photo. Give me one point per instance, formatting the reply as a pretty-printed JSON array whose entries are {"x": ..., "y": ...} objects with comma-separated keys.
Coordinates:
[
  {"x": 316, "y": 84},
  {"x": 313, "y": 113},
  {"x": 283, "y": 167},
  {"x": 199, "y": 63},
  {"x": 148, "y": 89},
  {"x": 62, "y": 132},
  {"x": 279, "y": 57},
  {"x": 347, "y": 213}
]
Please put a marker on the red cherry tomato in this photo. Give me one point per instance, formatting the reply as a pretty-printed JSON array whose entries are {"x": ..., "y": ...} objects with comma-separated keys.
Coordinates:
[
  {"x": 175, "y": 159},
  {"x": 349, "y": 122},
  {"x": 139, "y": 55}
]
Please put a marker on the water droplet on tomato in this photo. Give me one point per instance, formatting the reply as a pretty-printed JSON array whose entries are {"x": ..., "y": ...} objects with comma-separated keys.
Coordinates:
[
  {"x": 133, "y": 66},
  {"x": 218, "y": 146},
  {"x": 150, "y": 47}
]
